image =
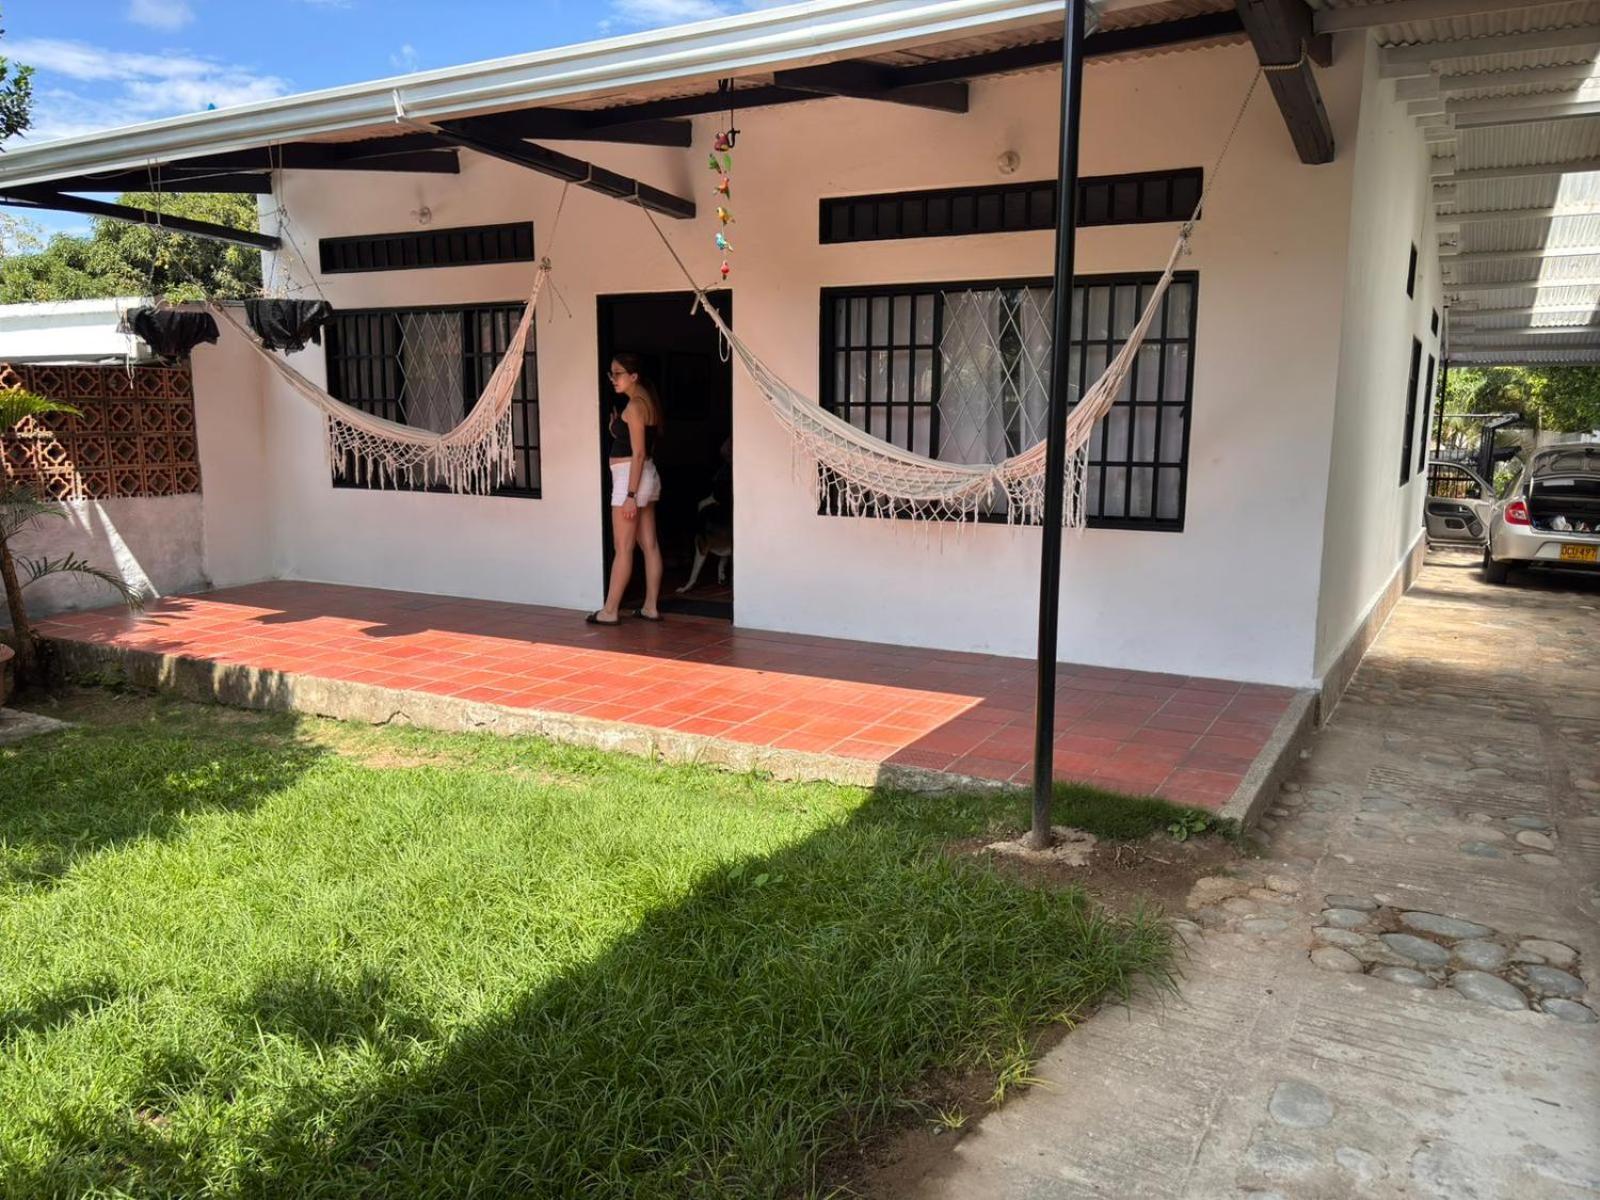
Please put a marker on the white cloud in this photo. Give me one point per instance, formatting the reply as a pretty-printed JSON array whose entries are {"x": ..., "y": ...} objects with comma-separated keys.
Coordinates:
[
  {"x": 653, "y": 14},
  {"x": 405, "y": 58},
  {"x": 160, "y": 14},
  {"x": 668, "y": 12},
  {"x": 82, "y": 88}
]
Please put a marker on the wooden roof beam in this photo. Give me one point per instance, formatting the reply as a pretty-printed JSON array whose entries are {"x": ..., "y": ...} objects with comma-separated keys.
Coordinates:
[
  {"x": 569, "y": 169},
  {"x": 558, "y": 124},
  {"x": 1281, "y": 31},
  {"x": 232, "y": 183},
  {"x": 56, "y": 202},
  {"x": 859, "y": 80}
]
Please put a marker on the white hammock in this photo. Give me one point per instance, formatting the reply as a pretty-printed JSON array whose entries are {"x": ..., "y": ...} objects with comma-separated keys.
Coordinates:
[
  {"x": 866, "y": 476},
  {"x": 475, "y": 455}
]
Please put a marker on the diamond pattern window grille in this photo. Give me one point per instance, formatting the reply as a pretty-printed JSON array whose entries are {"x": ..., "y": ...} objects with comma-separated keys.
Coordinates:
[
  {"x": 133, "y": 437},
  {"x": 426, "y": 366},
  {"x": 962, "y": 373}
]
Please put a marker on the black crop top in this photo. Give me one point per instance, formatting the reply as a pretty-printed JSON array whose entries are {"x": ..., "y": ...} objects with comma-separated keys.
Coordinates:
[{"x": 622, "y": 441}]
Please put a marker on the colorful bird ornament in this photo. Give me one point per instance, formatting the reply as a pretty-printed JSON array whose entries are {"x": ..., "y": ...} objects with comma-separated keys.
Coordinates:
[
  {"x": 722, "y": 188},
  {"x": 723, "y": 215},
  {"x": 725, "y": 268},
  {"x": 724, "y": 244}
]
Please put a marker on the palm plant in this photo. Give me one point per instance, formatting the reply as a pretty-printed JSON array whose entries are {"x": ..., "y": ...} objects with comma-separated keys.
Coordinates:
[{"x": 20, "y": 508}]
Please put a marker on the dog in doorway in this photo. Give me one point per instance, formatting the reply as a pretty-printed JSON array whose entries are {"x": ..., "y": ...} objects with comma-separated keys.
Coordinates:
[{"x": 713, "y": 537}]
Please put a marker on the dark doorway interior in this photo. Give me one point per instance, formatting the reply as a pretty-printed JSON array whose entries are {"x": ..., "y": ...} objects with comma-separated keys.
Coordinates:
[{"x": 682, "y": 357}]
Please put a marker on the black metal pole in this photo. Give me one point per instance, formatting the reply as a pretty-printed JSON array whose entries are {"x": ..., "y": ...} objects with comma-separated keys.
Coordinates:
[
  {"x": 1055, "y": 460},
  {"x": 1444, "y": 390}
]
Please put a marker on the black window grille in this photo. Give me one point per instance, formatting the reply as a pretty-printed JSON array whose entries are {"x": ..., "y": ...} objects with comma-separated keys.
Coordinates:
[
  {"x": 1010, "y": 208},
  {"x": 466, "y": 246},
  {"x": 426, "y": 366},
  {"x": 1433, "y": 325},
  {"x": 1411, "y": 412},
  {"x": 1411, "y": 272},
  {"x": 1428, "y": 401},
  {"x": 889, "y": 368}
]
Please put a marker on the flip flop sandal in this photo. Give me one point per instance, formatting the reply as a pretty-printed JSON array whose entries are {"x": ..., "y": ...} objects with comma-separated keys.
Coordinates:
[
  {"x": 644, "y": 616},
  {"x": 594, "y": 619}
]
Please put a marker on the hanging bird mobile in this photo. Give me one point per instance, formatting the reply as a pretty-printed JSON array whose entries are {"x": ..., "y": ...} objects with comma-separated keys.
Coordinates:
[{"x": 721, "y": 164}]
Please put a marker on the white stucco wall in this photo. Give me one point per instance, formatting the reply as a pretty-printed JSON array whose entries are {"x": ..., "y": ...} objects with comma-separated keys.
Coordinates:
[
  {"x": 239, "y": 521},
  {"x": 1234, "y": 594},
  {"x": 1372, "y": 522},
  {"x": 154, "y": 543}
]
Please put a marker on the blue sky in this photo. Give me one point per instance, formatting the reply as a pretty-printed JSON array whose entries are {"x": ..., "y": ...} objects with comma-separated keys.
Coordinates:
[{"x": 104, "y": 63}]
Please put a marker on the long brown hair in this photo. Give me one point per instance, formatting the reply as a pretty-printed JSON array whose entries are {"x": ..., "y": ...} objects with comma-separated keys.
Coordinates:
[{"x": 633, "y": 364}]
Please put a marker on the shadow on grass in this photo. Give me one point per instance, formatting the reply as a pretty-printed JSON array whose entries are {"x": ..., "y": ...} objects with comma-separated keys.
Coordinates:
[
  {"x": 780, "y": 1013},
  {"x": 327, "y": 1012},
  {"x": 58, "y": 1007},
  {"x": 91, "y": 788}
]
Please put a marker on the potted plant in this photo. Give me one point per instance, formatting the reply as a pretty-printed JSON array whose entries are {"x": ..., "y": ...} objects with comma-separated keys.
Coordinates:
[{"x": 20, "y": 509}]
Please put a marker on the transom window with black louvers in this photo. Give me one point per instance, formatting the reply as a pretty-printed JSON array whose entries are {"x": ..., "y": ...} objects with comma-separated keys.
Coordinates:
[
  {"x": 426, "y": 367},
  {"x": 464, "y": 246},
  {"x": 961, "y": 373},
  {"x": 1010, "y": 208}
]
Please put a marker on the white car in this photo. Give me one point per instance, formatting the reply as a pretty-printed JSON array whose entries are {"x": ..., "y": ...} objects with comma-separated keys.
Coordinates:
[{"x": 1550, "y": 517}]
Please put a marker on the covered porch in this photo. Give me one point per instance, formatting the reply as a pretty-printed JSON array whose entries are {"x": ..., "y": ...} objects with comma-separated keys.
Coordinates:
[{"x": 804, "y": 706}]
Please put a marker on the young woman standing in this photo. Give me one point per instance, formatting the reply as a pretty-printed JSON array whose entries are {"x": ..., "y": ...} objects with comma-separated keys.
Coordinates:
[{"x": 635, "y": 488}]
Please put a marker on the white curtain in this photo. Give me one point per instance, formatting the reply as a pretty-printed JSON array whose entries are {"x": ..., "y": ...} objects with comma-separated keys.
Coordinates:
[
  {"x": 431, "y": 356},
  {"x": 995, "y": 373}
]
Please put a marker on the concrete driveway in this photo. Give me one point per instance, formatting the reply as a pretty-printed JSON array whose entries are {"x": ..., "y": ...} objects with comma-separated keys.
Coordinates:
[{"x": 1398, "y": 998}]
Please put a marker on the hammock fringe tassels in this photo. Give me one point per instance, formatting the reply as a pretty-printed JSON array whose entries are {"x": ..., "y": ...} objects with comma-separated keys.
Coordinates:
[{"x": 474, "y": 456}]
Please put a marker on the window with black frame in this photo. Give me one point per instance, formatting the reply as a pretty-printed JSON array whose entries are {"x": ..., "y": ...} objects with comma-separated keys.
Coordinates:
[
  {"x": 961, "y": 372},
  {"x": 426, "y": 367}
]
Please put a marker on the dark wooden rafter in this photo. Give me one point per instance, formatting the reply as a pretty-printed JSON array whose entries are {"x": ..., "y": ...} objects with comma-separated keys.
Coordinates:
[
  {"x": 1282, "y": 33},
  {"x": 860, "y": 80},
  {"x": 567, "y": 168},
  {"x": 234, "y": 183},
  {"x": 561, "y": 124},
  {"x": 57, "y": 202}
]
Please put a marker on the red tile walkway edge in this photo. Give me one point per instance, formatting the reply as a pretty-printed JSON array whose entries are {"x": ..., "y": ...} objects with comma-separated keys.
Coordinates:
[{"x": 1191, "y": 740}]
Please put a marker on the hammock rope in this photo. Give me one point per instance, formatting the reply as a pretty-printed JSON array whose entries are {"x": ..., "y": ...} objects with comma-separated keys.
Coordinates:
[{"x": 866, "y": 476}]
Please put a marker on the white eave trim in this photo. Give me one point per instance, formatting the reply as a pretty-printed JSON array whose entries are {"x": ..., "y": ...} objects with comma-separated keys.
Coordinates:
[{"x": 761, "y": 40}]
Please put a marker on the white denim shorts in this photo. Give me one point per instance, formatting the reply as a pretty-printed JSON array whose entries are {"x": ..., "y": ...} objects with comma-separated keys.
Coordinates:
[{"x": 649, "y": 484}]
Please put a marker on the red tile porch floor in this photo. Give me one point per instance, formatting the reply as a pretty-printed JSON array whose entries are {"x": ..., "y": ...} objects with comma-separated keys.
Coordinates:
[{"x": 1189, "y": 740}]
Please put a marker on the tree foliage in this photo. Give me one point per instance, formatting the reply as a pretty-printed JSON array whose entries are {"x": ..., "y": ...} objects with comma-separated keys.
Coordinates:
[
  {"x": 16, "y": 96},
  {"x": 1561, "y": 399},
  {"x": 122, "y": 259}
]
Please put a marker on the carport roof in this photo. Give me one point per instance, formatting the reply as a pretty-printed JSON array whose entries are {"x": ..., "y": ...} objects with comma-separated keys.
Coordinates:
[{"x": 1507, "y": 94}]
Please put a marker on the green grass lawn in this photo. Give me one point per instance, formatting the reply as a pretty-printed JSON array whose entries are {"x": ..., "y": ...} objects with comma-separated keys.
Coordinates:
[{"x": 244, "y": 955}]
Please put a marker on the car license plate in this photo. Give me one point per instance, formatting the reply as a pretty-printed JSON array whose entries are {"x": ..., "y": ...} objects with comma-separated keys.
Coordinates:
[{"x": 1589, "y": 554}]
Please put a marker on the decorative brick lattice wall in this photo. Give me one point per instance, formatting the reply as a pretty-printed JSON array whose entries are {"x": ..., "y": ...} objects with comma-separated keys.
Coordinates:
[{"x": 135, "y": 436}]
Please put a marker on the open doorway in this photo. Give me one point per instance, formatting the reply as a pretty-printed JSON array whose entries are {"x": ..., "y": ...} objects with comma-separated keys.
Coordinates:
[{"x": 694, "y": 517}]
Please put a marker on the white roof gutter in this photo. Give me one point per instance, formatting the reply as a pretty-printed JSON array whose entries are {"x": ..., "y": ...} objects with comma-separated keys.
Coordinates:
[{"x": 761, "y": 40}]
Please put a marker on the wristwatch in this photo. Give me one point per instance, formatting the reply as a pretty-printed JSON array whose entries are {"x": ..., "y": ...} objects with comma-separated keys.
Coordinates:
[{"x": 632, "y": 495}]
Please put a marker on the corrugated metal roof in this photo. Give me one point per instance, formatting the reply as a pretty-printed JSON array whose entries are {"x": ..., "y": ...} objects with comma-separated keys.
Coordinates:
[{"x": 1496, "y": 74}]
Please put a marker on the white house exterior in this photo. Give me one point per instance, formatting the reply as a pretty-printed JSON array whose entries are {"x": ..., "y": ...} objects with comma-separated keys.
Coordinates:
[{"x": 1310, "y": 286}]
